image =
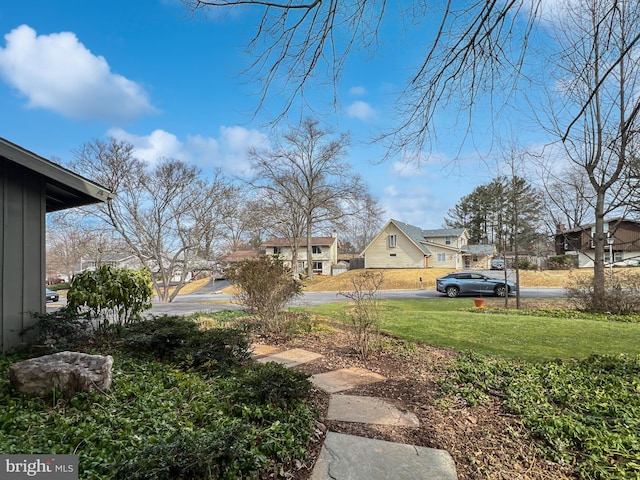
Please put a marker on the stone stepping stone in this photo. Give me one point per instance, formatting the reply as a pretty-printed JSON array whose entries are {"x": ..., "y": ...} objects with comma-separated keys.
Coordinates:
[
  {"x": 263, "y": 350},
  {"x": 345, "y": 379},
  {"x": 371, "y": 410},
  {"x": 348, "y": 457},
  {"x": 291, "y": 358}
]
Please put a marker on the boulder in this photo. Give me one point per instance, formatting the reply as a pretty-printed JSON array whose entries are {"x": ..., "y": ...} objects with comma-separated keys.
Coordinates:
[{"x": 67, "y": 372}]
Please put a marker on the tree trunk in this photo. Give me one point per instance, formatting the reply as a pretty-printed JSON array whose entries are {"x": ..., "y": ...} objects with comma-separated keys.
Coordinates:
[
  {"x": 309, "y": 250},
  {"x": 598, "y": 260}
]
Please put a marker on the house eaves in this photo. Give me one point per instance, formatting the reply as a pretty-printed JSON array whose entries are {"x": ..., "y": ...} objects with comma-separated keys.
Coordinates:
[{"x": 63, "y": 188}]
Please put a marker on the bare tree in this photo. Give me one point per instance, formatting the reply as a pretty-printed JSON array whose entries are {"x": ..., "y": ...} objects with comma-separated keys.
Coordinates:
[
  {"x": 306, "y": 182},
  {"x": 569, "y": 198},
  {"x": 165, "y": 213},
  {"x": 600, "y": 103},
  {"x": 73, "y": 243},
  {"x": 360, "y": 229}
]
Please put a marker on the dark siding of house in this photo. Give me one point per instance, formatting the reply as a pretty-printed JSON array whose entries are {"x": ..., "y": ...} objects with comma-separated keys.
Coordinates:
[
  {"x": 22, "y": 251},
  {"x": 627, "y": 237}
]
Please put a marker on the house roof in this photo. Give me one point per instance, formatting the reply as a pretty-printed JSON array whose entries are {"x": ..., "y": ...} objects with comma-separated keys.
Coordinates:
[
  {"x": 286, "y": 242},
  {"x": 415, "y": 234},
  {"x": 487, "y": 250},
  {"x": 63, "y": 188},
  {"x": 588, "y": 226},
  {"x": 443, "y": 232},
  {"x": 241, "y": 255}
]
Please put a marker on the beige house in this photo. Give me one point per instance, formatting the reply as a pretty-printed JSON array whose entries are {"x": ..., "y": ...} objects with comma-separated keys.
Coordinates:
[
  {"x": 324, "y": 253},
  {"x": 400, "y": 245}
]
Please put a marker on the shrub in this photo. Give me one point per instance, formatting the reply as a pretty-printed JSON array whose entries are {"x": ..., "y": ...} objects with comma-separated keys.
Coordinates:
[
  {"x": 562, "y": 262},
  {"x": 365, "y": 314},
  {"x": 60, "y": 330},
  {"x": 526, "y": 264},
  {"x": 270, "y": 383},
  {"x": 265, "y": 286},
  {"x": 180, "y": 341},
  {"x": 111, "y": 295},
  {"x": 192, "y": 455},
  {"x": 622, "y": 294}
]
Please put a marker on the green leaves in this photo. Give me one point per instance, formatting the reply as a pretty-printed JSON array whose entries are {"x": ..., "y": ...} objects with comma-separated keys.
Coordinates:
[
  {"x": 158, "y": 421},
  {"x": 114, "y": 295},
  {"x": 585, "y": 413}
]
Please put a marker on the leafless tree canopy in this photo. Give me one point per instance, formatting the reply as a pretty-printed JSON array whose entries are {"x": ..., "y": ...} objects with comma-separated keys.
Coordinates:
[
  {"x": 478, "y": 46},
  {"x": 167, "y": 214},
  {"x": 306, "y": 182},
  {"x": 597, "y": 87}
]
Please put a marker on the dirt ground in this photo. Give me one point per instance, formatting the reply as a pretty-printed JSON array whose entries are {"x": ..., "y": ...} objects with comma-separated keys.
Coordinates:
[{"x": 485, "y": 442}]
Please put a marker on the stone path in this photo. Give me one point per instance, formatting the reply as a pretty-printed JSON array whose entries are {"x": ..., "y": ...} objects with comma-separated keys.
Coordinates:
[{"x": 349, "y": 457}]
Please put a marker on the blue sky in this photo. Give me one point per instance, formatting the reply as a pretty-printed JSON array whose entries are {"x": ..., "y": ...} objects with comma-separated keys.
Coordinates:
[{"x": 148, "y": 72}]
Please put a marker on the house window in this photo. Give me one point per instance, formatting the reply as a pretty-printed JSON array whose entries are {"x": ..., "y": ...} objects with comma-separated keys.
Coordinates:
[
  {"x": 316, "y": 249},
  {"x": 317, "y": 267},
  {"x": 441, "y": 257},
  {"x": 617, "y": 257},
  {"x": 392, "y": 255},
  {"x": 392, "y": 241},
  {"x": 447, "y": 240},
  {"x": 277, "y": 250}
]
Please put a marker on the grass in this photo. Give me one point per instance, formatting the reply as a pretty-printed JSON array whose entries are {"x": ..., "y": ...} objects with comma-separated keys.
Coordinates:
[
  {"x": 409, "y": 279},
  {"x": 447, "y": 323}
]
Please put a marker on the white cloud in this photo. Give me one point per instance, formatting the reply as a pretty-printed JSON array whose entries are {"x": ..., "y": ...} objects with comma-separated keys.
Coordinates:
[
  {"x": 228, "y": 151},
  {"x": 408, "y": 169},
  {"x": 57, "y": 72},
  {"x": 358, "y": 90},
  {"x": 150, "y": 148},
  {"x": 361, "y": 110},
  {"x": 414, "y": 204}
]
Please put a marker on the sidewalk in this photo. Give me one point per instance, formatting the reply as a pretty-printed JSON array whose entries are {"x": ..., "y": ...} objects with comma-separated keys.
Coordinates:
[{"x": 345, "y": 457}]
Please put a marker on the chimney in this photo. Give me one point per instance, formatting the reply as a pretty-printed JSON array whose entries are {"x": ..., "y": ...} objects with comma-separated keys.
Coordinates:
[{"x": 560, "y": 227}]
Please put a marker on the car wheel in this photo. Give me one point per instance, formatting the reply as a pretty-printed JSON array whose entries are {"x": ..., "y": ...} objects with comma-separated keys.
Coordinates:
[
  {"x": 501, "y": 290},
  {"x": 452, "y": 292}
]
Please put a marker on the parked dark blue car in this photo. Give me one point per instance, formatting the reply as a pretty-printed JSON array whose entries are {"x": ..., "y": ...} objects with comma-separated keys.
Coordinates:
[
  {"x": 51, "y": 296},
  {"x": 468, "y": 283}
]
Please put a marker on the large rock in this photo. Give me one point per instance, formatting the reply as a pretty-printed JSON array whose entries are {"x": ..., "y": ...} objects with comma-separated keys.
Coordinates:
[{"x": 67, "y": 372}]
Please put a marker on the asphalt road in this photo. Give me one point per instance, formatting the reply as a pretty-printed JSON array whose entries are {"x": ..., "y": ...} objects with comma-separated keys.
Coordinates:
[
  {"x": 213, "y": 302},
  {"x": 207, "y": 300}
]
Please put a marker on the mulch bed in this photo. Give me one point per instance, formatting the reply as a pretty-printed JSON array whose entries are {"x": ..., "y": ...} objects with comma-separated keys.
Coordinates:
[{"x": 486, "y": 442}]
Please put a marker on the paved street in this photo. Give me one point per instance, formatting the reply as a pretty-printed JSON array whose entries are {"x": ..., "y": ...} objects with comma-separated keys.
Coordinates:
[{"x": 213, "y": 302}]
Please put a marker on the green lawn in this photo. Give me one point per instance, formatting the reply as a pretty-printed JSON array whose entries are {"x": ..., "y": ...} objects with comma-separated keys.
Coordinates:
[{"x": 443, "y": 322}]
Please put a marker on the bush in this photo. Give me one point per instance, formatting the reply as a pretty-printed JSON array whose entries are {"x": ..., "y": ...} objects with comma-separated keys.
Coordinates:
[
  {"x": 60, "y": 330},
  {"x": 270, "y": 383},
  {"x": 365, "y": 313},
  {"x": 526, "y": 264},
  {"x": 111, "y": 295},
  {"x": 179, "y": 341},
  {"x": 265, "y": 286},
  {"x": 622, "y": 294},
  {"x": 562, "y": 262},
  {"x": 192, "y": 455}
]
